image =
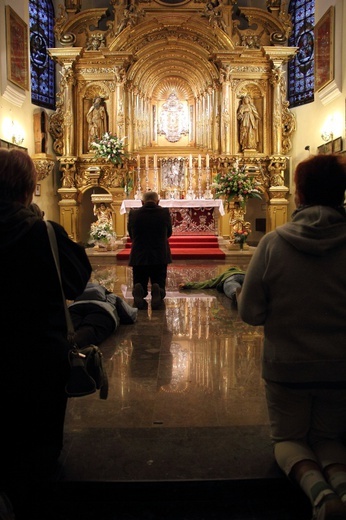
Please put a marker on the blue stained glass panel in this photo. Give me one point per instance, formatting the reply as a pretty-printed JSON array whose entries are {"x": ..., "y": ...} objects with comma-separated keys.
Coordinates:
[
  {"x": 41, "y": 19},
  {"x": 301, "y": 67}
]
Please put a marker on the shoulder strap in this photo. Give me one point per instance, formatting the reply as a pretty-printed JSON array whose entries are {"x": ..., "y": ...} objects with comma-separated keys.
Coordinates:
[{"x": 55, "y": 252}]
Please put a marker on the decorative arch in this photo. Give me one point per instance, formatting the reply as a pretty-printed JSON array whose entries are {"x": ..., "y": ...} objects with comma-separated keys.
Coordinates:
[{"x": 204, "y": 57}]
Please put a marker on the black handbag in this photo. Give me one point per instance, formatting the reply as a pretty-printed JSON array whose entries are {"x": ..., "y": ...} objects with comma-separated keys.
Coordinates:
[{"x": 87, "y": 374}]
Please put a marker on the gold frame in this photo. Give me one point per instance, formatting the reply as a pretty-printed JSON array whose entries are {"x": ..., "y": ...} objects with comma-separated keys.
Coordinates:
[
  {"x": 324, "y": 49},
  {"x": 17, "y": 49}
]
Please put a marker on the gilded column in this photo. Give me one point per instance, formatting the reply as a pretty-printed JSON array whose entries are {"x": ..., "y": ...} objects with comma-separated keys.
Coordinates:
[
  {"x": 225, "y": 119},
  {"x": 65, "y": 114},
  {"x": 275, "y": 79},
  {"x": 119, "y": 102},
  {"x": 210, "y": 117},
  {"x": 129, "y": 118},
  {"x": 216, "y": 120},
  {"x": 277, "y": 208}
]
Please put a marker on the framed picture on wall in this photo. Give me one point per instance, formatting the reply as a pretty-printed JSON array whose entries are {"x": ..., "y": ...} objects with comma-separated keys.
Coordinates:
[
  {"x": 324, "y": 50},
  {"x": 17, "y": 49}
]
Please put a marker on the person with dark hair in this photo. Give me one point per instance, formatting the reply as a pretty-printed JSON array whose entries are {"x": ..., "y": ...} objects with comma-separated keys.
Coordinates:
[
  {"x": 149, "y": 228},
  {"x": 34, "y": 364},
  {"x": 295, "y": 286}
]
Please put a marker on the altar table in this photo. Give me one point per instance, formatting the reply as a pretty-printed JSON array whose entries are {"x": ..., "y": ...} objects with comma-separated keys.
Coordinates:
[{"x": 188, "y": 216}]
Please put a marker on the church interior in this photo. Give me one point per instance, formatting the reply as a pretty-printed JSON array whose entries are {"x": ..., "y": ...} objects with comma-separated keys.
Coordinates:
[{"x": 191, "y": 89}]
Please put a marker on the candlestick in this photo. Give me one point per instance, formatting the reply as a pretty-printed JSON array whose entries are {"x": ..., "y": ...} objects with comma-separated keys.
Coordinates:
[
  {"x": 207, "y": 160},
  {"x": 146, "y": 161},
  {"x": 138, "y": 161},
  {"x": 155, "y": 161}
]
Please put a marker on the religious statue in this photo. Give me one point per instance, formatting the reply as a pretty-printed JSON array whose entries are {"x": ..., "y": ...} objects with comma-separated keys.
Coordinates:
[
  {"x": 248, "y": 116},
  {"x": 240, "y": 229},
  {"x": 103, "y": 214},
  {"x": 97, "y": 120},
  {"x": 68, "y": 173},
  {"x": 213, "y": 12}
]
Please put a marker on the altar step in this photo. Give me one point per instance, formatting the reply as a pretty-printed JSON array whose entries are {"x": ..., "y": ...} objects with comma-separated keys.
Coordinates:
[{"x": 185, "y": 247}]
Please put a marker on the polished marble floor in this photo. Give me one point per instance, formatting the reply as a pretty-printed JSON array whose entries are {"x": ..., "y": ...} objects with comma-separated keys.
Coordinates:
[{"x": 184, "y": 432}]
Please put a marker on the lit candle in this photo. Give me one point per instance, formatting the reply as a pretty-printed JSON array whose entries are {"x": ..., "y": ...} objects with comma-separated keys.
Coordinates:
[
  {"x": 146, "y": 161},
  {"x": 199, "y": 160},
  {"x": 138, "y": 162},
  {"x": 155, "y": 161},
  {"x": 190, "y": 163},
  {"x": 207, "y": 160}
]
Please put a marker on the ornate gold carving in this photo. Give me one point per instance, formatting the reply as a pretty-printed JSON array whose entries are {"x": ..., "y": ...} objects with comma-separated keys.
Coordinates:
[
  {"x": 44, "y": 165},
  {"x": 68, "y": 174},
  {"x": 276, "y": 169}
]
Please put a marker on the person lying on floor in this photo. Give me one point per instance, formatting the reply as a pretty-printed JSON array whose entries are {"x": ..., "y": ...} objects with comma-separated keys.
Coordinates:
[
  {"x": 228, "y": 282},
  {"x": 97, "y": 313}
]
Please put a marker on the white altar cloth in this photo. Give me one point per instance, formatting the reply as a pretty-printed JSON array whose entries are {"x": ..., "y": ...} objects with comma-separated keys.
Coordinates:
[{"x": 176, "y": 203}]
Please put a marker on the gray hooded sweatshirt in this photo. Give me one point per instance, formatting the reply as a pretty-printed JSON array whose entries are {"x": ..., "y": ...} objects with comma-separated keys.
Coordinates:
[{"x": 295, "y": 286}]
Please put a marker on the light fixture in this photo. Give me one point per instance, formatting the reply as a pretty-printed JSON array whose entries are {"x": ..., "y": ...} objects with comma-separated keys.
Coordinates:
[
  {"x": 327, "y": 136},
  {"x": 17, "y": 134}
]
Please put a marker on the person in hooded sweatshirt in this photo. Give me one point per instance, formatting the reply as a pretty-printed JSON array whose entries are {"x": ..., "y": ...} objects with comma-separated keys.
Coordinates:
[
  {"x": 295, "y": 286},
  {"x": 34, "y": 363}
]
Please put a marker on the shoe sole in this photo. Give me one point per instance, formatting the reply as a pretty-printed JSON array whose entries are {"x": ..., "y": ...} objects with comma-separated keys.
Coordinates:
[
  {"x": 155, "y": 296},
  {"x": 138, "y": 299}
]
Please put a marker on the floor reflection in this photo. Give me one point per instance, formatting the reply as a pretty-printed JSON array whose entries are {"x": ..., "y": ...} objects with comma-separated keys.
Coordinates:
[
  {"x": 195, "y": 345},
  {"x": 192, "y": 364}
]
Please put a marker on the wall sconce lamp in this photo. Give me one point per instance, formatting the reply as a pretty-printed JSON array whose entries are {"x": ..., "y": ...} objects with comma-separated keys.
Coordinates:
[
  {"x": 17, "y": 135},
  {"x": 328, "y": 136}
]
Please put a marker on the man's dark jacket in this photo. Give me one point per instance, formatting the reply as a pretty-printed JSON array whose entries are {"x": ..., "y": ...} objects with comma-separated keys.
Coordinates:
[{"x": 149, "y": 228}]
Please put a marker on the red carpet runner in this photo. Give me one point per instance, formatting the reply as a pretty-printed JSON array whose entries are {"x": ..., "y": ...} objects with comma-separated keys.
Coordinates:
[{"x": 186, "y": 246}]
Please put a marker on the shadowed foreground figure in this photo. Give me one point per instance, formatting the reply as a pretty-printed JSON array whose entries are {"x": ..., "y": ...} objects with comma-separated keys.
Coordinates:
[
  {"x": 295, "y": 286},
  {"x": 34, "y": 365}
]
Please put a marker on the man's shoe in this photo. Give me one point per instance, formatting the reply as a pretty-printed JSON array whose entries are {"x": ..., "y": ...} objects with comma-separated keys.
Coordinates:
[
  {"x": 138, "y": 297},
  {"x": 156, "y": 299}
]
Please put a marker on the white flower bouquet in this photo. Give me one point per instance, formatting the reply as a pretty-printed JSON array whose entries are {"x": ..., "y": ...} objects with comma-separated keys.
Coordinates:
[
  {"x": 109, "y": 147},
  {"x": 102, "y": 234}
]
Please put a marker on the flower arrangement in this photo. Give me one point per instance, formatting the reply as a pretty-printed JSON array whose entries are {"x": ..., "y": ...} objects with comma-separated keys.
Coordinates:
[
  {"x": 237, "y": 184},
  {"x": 109, "y": 147},
  {"x": 240, "y": 237},
  {"x": 102, "y": 233}
]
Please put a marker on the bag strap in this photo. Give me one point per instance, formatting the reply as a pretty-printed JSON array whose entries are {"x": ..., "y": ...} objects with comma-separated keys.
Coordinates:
[{"x": 55, "y": 252}]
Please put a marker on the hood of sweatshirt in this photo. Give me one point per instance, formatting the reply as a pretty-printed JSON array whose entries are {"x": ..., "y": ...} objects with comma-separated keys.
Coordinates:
[
  {"x": 315, "y": 230},
  {"x": 15, "y": 221}
]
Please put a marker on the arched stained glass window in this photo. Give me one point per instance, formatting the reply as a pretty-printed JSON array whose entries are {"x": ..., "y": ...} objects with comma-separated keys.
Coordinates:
[
  {"x": 301, "y": 67},
  {"x": 41, "y": 19}
]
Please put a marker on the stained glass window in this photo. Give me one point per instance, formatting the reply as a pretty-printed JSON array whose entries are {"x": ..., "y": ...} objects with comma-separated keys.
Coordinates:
[
  {"x": 41, "y": 19},
  {"x": 301, "y": 67}
]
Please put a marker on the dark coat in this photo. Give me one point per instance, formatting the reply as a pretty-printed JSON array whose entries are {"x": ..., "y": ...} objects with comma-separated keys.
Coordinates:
[
  {"x": 149, "y": 228},
  {"x": 34, "y": 365}
]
